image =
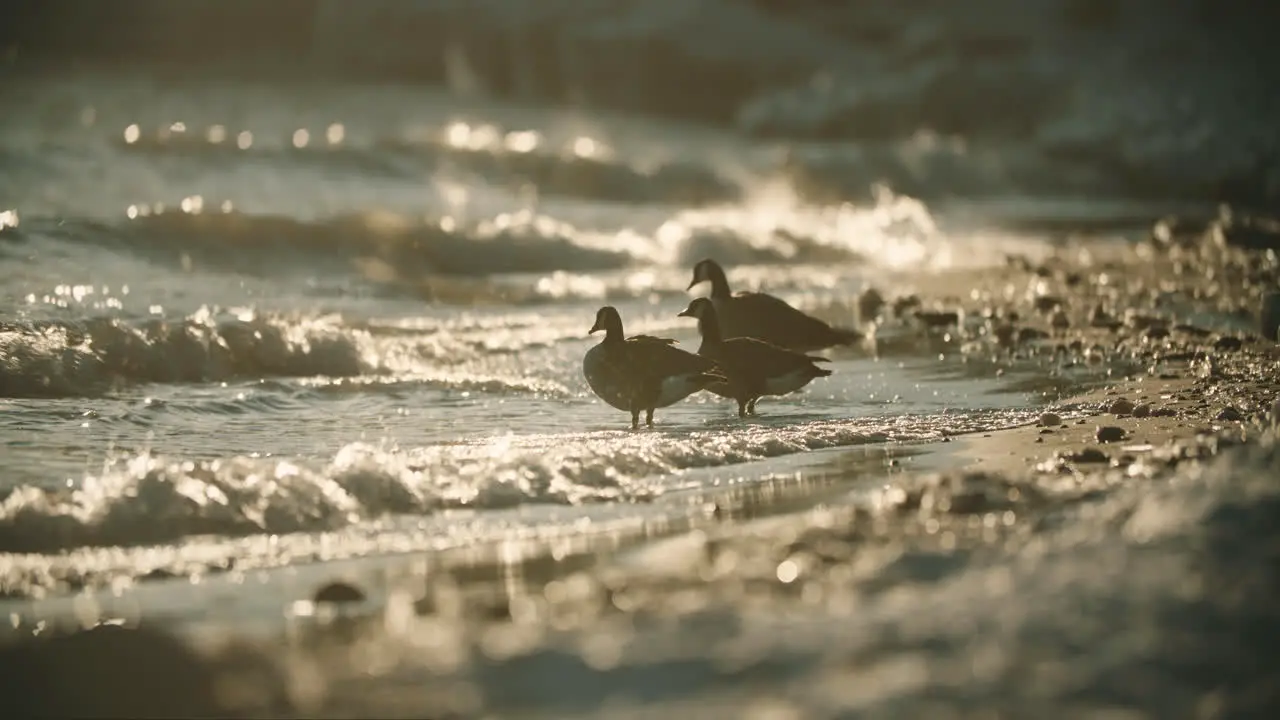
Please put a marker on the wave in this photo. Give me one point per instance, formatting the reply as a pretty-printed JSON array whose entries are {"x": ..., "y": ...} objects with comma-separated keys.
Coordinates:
[
  {"x": 145, "y": 499},
  {"x": 383, "y": 246},
  {"x": 515, "y": 159},
  {"x": 99, "y": 355},
  {"x": 93, "y": 356},
  {"x": 430, "y": 257}
]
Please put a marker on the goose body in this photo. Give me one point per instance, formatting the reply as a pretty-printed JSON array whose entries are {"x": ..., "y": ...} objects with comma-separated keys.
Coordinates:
[
  {"x": 642, "y": 373},
  {"x": 752, "y": 367},
  {"x": 766, "y": 317}
]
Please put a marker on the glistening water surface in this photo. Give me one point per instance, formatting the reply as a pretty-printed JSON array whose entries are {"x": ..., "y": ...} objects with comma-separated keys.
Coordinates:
[{"x": 233, "y": 313}]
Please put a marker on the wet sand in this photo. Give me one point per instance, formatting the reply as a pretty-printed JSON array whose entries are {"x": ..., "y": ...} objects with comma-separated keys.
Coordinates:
[{"x": 1067, "y": 440}]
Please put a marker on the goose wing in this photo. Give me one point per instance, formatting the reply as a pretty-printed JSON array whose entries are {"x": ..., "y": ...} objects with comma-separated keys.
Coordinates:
[
  {"x": 756, "y": 358},
  {"x": 760, "y": 315},
  {"x": 661, "y": 357}
]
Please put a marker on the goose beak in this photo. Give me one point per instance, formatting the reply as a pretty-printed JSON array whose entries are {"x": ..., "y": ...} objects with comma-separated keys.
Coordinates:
[
  {"x": 685, "y": 312},
  {"x": 595, "y": 328},
  {"x": 693, "y": 283}
]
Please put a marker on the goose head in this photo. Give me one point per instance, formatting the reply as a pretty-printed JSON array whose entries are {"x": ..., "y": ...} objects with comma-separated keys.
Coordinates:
[
  {"x": 608, "y": 320},
  {"x": 700, "y": 309},
  {"x": 708, "y": 270}
]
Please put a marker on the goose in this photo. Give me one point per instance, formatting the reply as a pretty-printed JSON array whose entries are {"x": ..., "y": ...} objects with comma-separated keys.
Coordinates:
[
  {"x": 763, "y": 316},
  {"x": 754, "y": 368},
  {"x": 642, "y": 372}
]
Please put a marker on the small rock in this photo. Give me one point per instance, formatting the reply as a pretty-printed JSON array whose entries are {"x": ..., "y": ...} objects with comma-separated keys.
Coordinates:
[
  {"x": 1046, "y": 303},
  {"x": 1227, "y": 343},
  {"x": 1088, "y": 455},
  {"x": 1050, "y": 419},
  {"x": 1192, "y": 330},
  {"x": 1029, "y": 334},
  {"x": 1060, "y": 320},
  {"x": 1269, "y": 318},
  {"x": 338, "y": 593},
  {"x": 1099, "y": 317},
  {"x": 1110, "y": 434},
  {"x": 1143, "y": 410},
  {"x": 1121, "y": 406},
  {"x": 1229, "y": 414}
]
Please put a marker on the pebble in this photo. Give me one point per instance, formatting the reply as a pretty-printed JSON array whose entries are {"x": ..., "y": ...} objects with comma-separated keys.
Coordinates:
[
  {"x": 1143, "y": 410},
  {"x": 1110, "y": 434},
  {"x": 1089, "y": 455},
  {"x": 1050, "y": 419},
  {"x": 337, "y": 593},
  {"x": 1121, "y": 406},
  {"x": 1229, "y": 414},
  {"x": 1228, "y": 343},
  {"x": 1269, "y": 318},
  {"x": 1048, "y": 303}
]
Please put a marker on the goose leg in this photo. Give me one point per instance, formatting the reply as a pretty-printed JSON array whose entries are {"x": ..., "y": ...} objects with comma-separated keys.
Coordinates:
[
  {"x": 635, "y": 419},
  {"x": 751, "y": 406},
  {"x": 648, "y": 417},
  {"x": 742, "y": 408}
]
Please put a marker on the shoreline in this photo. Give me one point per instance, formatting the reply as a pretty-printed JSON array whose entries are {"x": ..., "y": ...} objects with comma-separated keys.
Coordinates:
[
  {"x": 995, "y": 570},
  {"x": 310, "y": 664}
]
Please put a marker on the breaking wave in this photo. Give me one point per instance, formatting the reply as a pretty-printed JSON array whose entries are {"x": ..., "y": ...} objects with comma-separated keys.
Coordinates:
[
  {"x": 145, "y": 499},
  {"x": 99, "y": 355},
  {"x": 430, "y": 257}
]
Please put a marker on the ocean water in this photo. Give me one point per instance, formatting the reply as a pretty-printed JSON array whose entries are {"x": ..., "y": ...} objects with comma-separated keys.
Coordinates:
[{"x": 240, "y": 318}]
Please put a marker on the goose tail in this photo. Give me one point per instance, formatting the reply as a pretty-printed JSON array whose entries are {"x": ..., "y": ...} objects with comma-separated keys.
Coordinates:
[
  {"x": 845, "y": 336},
  {"x": 712, "y": 377}
]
